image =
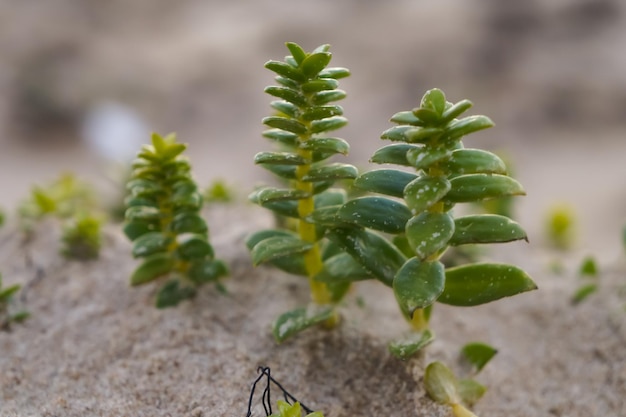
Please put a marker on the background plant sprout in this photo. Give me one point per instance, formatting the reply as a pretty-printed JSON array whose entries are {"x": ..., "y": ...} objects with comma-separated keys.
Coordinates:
[
  {"x": 7, "y": 317},
  {"x": 163, "y": 221},
  {"x": 417, "y": 211},
  {"x": 305, "y": 115}
]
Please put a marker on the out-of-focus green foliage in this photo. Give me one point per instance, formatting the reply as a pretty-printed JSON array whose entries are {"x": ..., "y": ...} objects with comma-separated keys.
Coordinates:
[
  {"x": 218, "y": 192},
  {"x": 7, "y": 317},
  {"x": 560, "y": 226},
  {"x": 163, "y": 222},
  {"x": 82, "y": 237}
]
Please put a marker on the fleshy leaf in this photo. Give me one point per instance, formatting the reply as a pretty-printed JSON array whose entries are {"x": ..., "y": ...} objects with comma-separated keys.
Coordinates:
[
  {"x": 315, "y": 86},
  {"x": 134, "y": 229},
  {"x": 285, "y": 70},
  {"x": 459, "y": 128},
  {"x": 203, "y": 271},
  {"x": 421, "y": 134},
  {"x": 486, "y": 228},
  {"x": 429, "y": 233},
  {"x": 434, "y": 100},
  {"x": 423, "y": 192},
  {"x": 267, "y": 195},
  {"x": 172, "y": 294},
  {"x": 406, "y": 118},
  {"x": 408, "y": 346},
  {"x": 478, "y": 354},
  {"x": 188, "y": 223},
  {"x": 142, "y": 213},
  {"x": 335, "y": 73},
  {"x": 331, "y": 123},
  {"x": 342, "y": 268},
  {"x": 150, "y": 243},
  {"x": 314, "y": 63},
  {"x": 277, "y": 247},
  {"x": 376, "y": 213},
  {"x": 287, "y": 94},
  {"x": 284, "y": 123},
  {"x": 300, "y": 319},
  {"x": 470, "y": 391},
  {"x": 481, "y": 283},
  {"x": 455, "y": 110},
  {"x": 475, "y": 161},
  {"x": 331, "y": 145},
  {"x": 384, "y": 181},
  {"x": 296, "y": 51},
  {"x": 441, "y": 384},
  {"x": 393, "y": 154},
  {"x": 476, "y": 187},
  {"x": 371, "y": 250},
  {"x": 424, "y": 157},
  {"x": 280, "y": 158},
  {"x": 335, "y": 171},
  {"x": 325, "y": 97},
  {"x": 192, "y": 246},
  {"x": 418, "y": 284},
  {"x": 153, "y": 267}
]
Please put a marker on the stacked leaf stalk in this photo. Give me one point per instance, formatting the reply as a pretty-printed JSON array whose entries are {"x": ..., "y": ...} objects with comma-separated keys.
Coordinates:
[
  {"x": 163, "y": 221},
  {"x": 305, "y": 114},
  {"x": 420, "y": 219}
]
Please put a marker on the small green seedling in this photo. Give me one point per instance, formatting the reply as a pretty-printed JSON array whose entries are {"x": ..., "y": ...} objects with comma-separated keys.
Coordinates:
[
  {"x": 2, "y": 217},
  {"x": 560, "y": 227},
  {"x": 305, "y": 114},
  {"x": 588, "y": 271},
  {"x": 218, "y": 192},
  {"x": 417, "y": 212},
  {"x": 163, "y": 222},
  {"x": 478, "y": 355},
  {"x": 6, "y": 316},
  {"x": 292, "y": 410},
  {"x": 82, "y": 237},
  {"x": 442, "y": 386}
]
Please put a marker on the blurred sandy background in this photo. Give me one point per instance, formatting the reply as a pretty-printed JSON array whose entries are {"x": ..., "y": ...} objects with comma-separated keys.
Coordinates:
[{"x": 551, "y": 74}]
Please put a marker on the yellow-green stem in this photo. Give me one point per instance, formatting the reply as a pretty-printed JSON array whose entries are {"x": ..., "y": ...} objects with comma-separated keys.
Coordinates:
[
  {"x": 460, "y": 411},
  {"x": 312, "y": 258},
  {"x": 419, "y": 321}
]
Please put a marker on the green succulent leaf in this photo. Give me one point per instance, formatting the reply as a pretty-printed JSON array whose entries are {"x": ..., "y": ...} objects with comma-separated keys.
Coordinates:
[
  {"x": 475, "y": 161},
  {"x": 142, "y": 213},
  {"x": 334, "y": 171},
  {"x": 300, "y": 319},
  {"x": 396, "y": 133},
  {"x": 441, "y": 384},
  {"x": 385, "y": 181},
  {"x": 470, "y": 391},
  {"x": 434, "y": 100},
  {"x": 279, "y": 158},
  {"x": 455, "y": 110},
  {"x": 459, "y": 128},
  {"x": 327, "y": 145},
  {"x": 408, "y": 346},
  {"x": 134, "y": 229},
  {"x": 328, "y": 96},
  {"x": 204, "y": 271},
  {"x": 315, "y": 86},
  {"x": 277, "y": 247},
  {"x": 478, "y": 354},
  {"x": 314, "y": 63},
  {"x": 379, "y": 257},
  {"x": 267, "y": 195},
  {"x": 426, "y": 156},
  {"x": 172, "y": 294},
  {"x": 423, "y": 192},
  {"x": 281, "y": 136},
  {"x": 393, "y": 154},
  {"x": 328, "y": 124},
  {"x": 287, "y": 94},
  {"x": 583, "y": 292},
  {"x": 335, "y": 73},
  {"x": 376, "y": 213},
  {"x": 187, "y": 222},
  {"x": 321, "y": 112},
  {"x": 422, "y": 134},
  {"x": 153, "y": 267},
  {"x": 150, "y": 243},
  {"x": 7, "y": 293},
  {"x": 284, "y": 123},
  {"x": 285, "y": 70},
  {"x": 296, "y": 51},
  {"x": 486, "y": 228},
  {"x": 418, "y": 284},
  {"x": 476, "y": 187},
  {"x": 428, "y": 116},
  {"x": 193, "y": 246},
  {"x": 342, "y": 268},
  {"x": 407, "y": 118},
  {"x": 429, "y": 233},
  {"x": 481, "y": 283},
  {"x": 286, "y": 108}
]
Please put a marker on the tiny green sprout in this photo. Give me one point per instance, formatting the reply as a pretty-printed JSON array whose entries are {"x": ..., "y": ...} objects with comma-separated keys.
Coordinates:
[
  {"x": 6, "y": 316},
  {"x": 163, "y": 222},
  {"x": 416, "y": 209},
  {"x": 2, "y": 217},
  {"x": 305, "y": 113},
  {"x": 560, "y": 226},
  {"x": 292, "y": 410},
  {"x": 442, "y": 386},
  {"x": 589, "y": 272},
  {"x": 218, "y": 192},
  {"x": 82, "y": 237},
  {"x": 478, "y": 354}
]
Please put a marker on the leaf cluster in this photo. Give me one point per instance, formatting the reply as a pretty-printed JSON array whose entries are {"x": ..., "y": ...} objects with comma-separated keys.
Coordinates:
[
  {"x": 6, "y": 316},
  {"x": 305, "y": 114},
  {"x": 292, "y": 410},
  {"x": 82, "y": 237},
  {"x": 163, "y": 221}
]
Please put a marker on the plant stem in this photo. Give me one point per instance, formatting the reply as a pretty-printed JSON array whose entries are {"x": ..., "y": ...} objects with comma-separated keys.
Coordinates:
[
  {"x": 460, "y": 411},
  {"x": 419, "y": 321},
  {"x": 312, "y": 258}
]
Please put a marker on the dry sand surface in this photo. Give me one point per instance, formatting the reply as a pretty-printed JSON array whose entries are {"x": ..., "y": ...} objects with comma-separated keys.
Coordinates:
[{"x": 95, "y": 347}]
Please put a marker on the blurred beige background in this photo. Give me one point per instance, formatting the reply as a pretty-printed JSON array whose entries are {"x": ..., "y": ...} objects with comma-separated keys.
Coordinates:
[{"x": 551, "y": 74}]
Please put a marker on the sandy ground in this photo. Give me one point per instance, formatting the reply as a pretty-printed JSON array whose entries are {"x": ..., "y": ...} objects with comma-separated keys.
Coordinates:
[
  {"x": 547, "y": 73},
  {"x": 95, "y": 347}
]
